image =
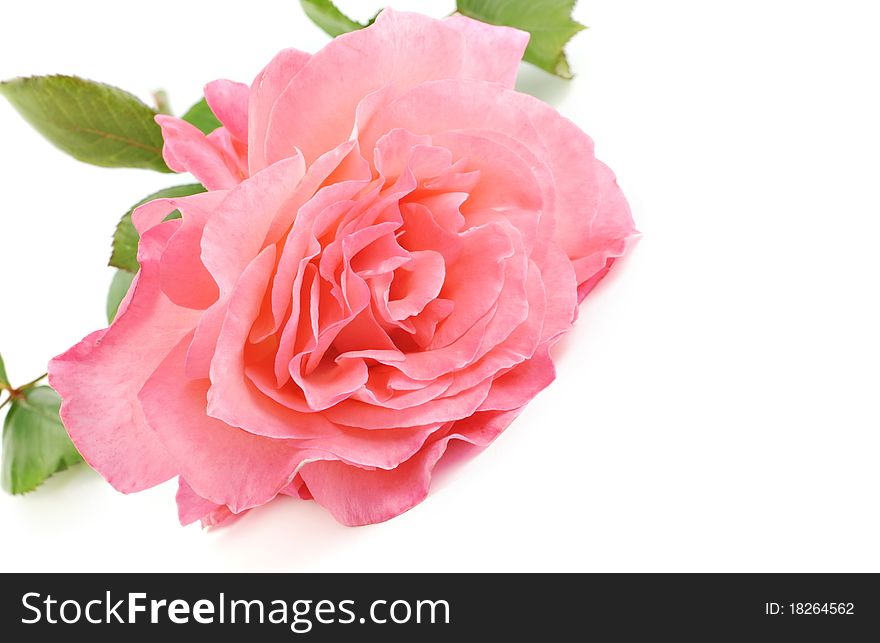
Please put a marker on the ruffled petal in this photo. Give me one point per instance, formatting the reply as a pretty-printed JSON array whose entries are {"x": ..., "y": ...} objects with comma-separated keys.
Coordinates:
[
  {"x": 592, "y": 221},
  {"x": 191, "y": 507},
  {"x": 221, "y": 463},
  {"x": 611, "y": 231},
  {"x": 357, "y": 496},
  {"x": 99, "y": 378}
]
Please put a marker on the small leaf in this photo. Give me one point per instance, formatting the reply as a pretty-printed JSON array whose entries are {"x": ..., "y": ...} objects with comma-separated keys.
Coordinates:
[
  {"x": 202, "y": 117},
  {"x": 118, "y": 288},
  {"x": 92, "y": 122},
  {"x": 4, "y": 379},
  {"x": 548, "y": 21},
  {"x": 125, "y": 238},
  {"x": 325, "y": 14},
  {"x": 35, "y": 444}
]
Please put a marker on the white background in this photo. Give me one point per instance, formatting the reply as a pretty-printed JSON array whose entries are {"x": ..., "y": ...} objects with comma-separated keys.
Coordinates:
[{"x": 717, "y": 403}]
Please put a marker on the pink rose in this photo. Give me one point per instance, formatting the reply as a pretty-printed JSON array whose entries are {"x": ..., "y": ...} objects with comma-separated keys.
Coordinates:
[{"x": 392, "y": 241}]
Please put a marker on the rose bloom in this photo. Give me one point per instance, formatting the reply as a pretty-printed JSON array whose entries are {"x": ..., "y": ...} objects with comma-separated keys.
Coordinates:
[{"x": 392, "y": 240}]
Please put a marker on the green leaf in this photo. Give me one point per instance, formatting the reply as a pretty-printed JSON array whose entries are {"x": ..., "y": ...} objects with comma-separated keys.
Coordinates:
[
  {"x": 92, "y": 122},
  {"x": 35, "y": 444},
  {"x": 325, "y": 14},
  {"x": 548, "y": 21},
  {"x": 118, "y": 288},
  {"x": 4, "y": 379},
  {"x": 202, "y": 117},
  {"x": 125, "y": 238}
]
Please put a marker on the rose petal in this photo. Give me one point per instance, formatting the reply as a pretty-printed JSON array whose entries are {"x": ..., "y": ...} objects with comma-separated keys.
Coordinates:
[
  {"x": 191, "y": 507},
  {"x": 266, "y": 88},
  {"x": 520, "y": 384},
  {"x": 513, "y": 346},
  {"x": 235, "y": 400},
  {"x": 357, "y": 496},
  {"x": 349, "y": 68},
  {"x": 493, "y": 53},
  {"x": 355, "y": 413},
  {"x": 229, "y": 242},
  {"x": 589, "y": 231},
  {"x": 610, "y": 231},
  {"x": 229, "y": 102},
  {"x": 594, "y": 219},
  {"x": 99, "y": 378},
  {"x": 558, "y": 275},
  {"x": 475, "y": 279},
  {"x": 187, "y": 149},
  {"x": 416, "y": 283},
  {"x": 585, "y": 288},
  {"x": 223, "y": 464},
  {"x": 185, "y": 280}
]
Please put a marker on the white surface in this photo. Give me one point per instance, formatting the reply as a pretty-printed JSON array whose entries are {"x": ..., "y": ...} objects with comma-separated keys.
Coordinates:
[{"x": 717, "y": 404}]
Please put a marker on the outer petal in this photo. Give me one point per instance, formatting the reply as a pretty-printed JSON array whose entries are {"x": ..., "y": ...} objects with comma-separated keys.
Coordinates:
[
  {"x": 360, "y": 497},
  {"x": 99, "y": 379},
  {"x": 611, "y": 231},
  {"x": 493, "y": 53},
  {"x": 183, "y": 276},
  {"x": 521, "y": 384},
  {"x": 266, "y": 88},
  {"x": 221, "y": 463},
  {"x": 559, "y": 279},
  {"x": 187, "y": 149},
  {"x": 585, "y": 288},
  {"x": 229, "y": 102},
  {"x": 593, "y": 220},
  {"x": 191, "y": 507},
  {"x": 398, "y": 51}
]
